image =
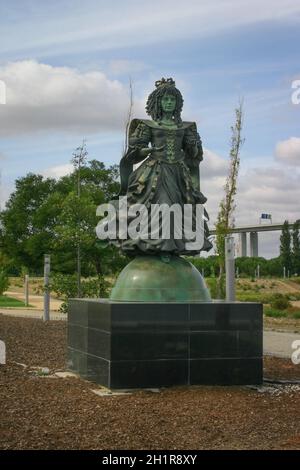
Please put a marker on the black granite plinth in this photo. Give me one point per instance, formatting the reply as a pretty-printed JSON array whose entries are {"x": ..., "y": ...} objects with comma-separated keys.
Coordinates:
[{"x": 143, "y": 345}]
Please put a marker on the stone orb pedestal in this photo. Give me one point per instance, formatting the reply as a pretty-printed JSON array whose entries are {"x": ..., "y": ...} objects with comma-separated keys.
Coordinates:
[{"x": 160, "y": 279}]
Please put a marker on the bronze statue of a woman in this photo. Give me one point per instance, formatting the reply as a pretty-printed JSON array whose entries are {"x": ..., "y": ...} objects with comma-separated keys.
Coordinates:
[
  {"x": 169, "y": 173},
  {"x": 170, "y": 151}
]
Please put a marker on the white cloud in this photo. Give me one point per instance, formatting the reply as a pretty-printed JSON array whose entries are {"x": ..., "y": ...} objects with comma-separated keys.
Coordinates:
[
  {"x": 213, "y": 171},
  {"x": 5, "y": 192},
  {"x": 288, "y": 151},
  {"x": 58, "y": 171},
  {"x": 41, "y": 97},
  {"x": 266, "y": 189},
  {"x": 213, "y": 165},
  {"x": 271, "y": 190}
]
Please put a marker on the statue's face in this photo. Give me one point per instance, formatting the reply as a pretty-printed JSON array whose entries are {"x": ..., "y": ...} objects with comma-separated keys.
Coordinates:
[{"x": 168, "y": 103}]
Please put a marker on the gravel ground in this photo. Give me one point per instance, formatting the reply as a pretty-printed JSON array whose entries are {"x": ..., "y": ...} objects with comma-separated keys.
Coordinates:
[{"x": 47, "y": 412}]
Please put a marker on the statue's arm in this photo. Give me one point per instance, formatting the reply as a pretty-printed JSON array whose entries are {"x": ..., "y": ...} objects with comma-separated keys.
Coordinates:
[
  {"x": 139, "y": 138},
  {"x": 192, "y": 145}
]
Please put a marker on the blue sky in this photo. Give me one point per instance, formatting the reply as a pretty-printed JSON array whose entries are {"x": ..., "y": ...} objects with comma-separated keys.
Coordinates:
[{"x": 67, "y": 64}]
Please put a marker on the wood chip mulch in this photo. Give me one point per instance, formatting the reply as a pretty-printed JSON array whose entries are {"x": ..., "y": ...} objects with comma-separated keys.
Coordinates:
[{"x": 46, "y": 412}]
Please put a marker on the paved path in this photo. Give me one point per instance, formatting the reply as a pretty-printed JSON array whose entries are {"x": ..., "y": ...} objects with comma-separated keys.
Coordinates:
[
  {"x": 32, "y": 313},
  {"x": 35, "y": 300},
  {"x": 279, "y": 344}
]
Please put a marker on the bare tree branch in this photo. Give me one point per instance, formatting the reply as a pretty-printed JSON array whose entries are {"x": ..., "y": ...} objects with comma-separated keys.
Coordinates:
[{"x": 129, "y": 116}]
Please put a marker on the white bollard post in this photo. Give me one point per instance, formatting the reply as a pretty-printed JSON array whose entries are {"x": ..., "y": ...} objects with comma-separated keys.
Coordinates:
[
  {"x": 26, "y": 290},
  {"x": 2, "y": 353},
  {"x": 46, "y": 288},
  {"x": 230, "y": 269}
]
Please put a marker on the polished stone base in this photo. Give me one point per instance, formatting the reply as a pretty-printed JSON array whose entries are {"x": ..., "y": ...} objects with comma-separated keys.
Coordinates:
[{"x": 123, "y": 345}]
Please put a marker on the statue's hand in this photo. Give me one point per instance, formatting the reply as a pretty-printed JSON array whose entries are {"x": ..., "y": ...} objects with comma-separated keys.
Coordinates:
[
  {"x": 148, "y": 150},
  {"x": 136, "y": 154}
]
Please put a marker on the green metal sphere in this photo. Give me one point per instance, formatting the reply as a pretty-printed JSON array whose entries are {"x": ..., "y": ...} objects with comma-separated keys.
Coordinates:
[{"x": 160, "y": 279}]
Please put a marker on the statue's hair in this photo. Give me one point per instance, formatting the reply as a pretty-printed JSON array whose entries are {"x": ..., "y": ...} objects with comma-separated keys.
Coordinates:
[{"x": 153, "y": 106}]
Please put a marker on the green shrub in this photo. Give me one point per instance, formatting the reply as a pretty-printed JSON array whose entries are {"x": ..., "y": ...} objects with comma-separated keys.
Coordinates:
[
  {"x": 243, "y": 276},
  {"x": 280, "y": 302},
  {"x": 212, "y": 286},
  {"x": 253, "y": 297},
  {"x": 296, "y": 315},
  {"x": 65, "y": 287},
  {"x": 294, "y": 296},
  {"x": 216, "y": 287},
  {"x": 4, "y": 281},
  {"x": 272, "y": 312}
]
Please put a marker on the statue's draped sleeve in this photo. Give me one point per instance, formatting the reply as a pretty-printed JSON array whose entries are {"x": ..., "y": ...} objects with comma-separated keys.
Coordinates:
[
  {"x": 139, "y": 136},
  {"x": 192, "y": 147}
]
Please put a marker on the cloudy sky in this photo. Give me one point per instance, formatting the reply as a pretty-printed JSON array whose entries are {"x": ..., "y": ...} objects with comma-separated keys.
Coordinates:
[{"x": 66, "y": 66}]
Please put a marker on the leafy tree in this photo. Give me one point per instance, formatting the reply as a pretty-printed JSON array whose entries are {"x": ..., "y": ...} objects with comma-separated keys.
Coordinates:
[
  {"x": 4, "y": 281},
  {"x": 285, "y": 246},
  {"x": 45, "y": 216},
  {"x": 24, "y": 237},
  {"x": 246, "y": 265},
  {"x": 274, "y": 267},
  {"x": 209, "y": 266}
]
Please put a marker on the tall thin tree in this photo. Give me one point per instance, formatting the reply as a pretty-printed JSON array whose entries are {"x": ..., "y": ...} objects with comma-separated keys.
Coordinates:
[
  {"x": 79, "y": 160},
  {"x": 227, "y": 206}
]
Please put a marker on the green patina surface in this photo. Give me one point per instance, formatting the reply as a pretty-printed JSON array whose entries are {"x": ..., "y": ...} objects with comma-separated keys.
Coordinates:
[{"x": 160, "y": 279}]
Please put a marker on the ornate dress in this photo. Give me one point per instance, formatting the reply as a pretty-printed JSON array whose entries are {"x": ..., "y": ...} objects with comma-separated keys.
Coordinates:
[{"x": 169, "y": 175}]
